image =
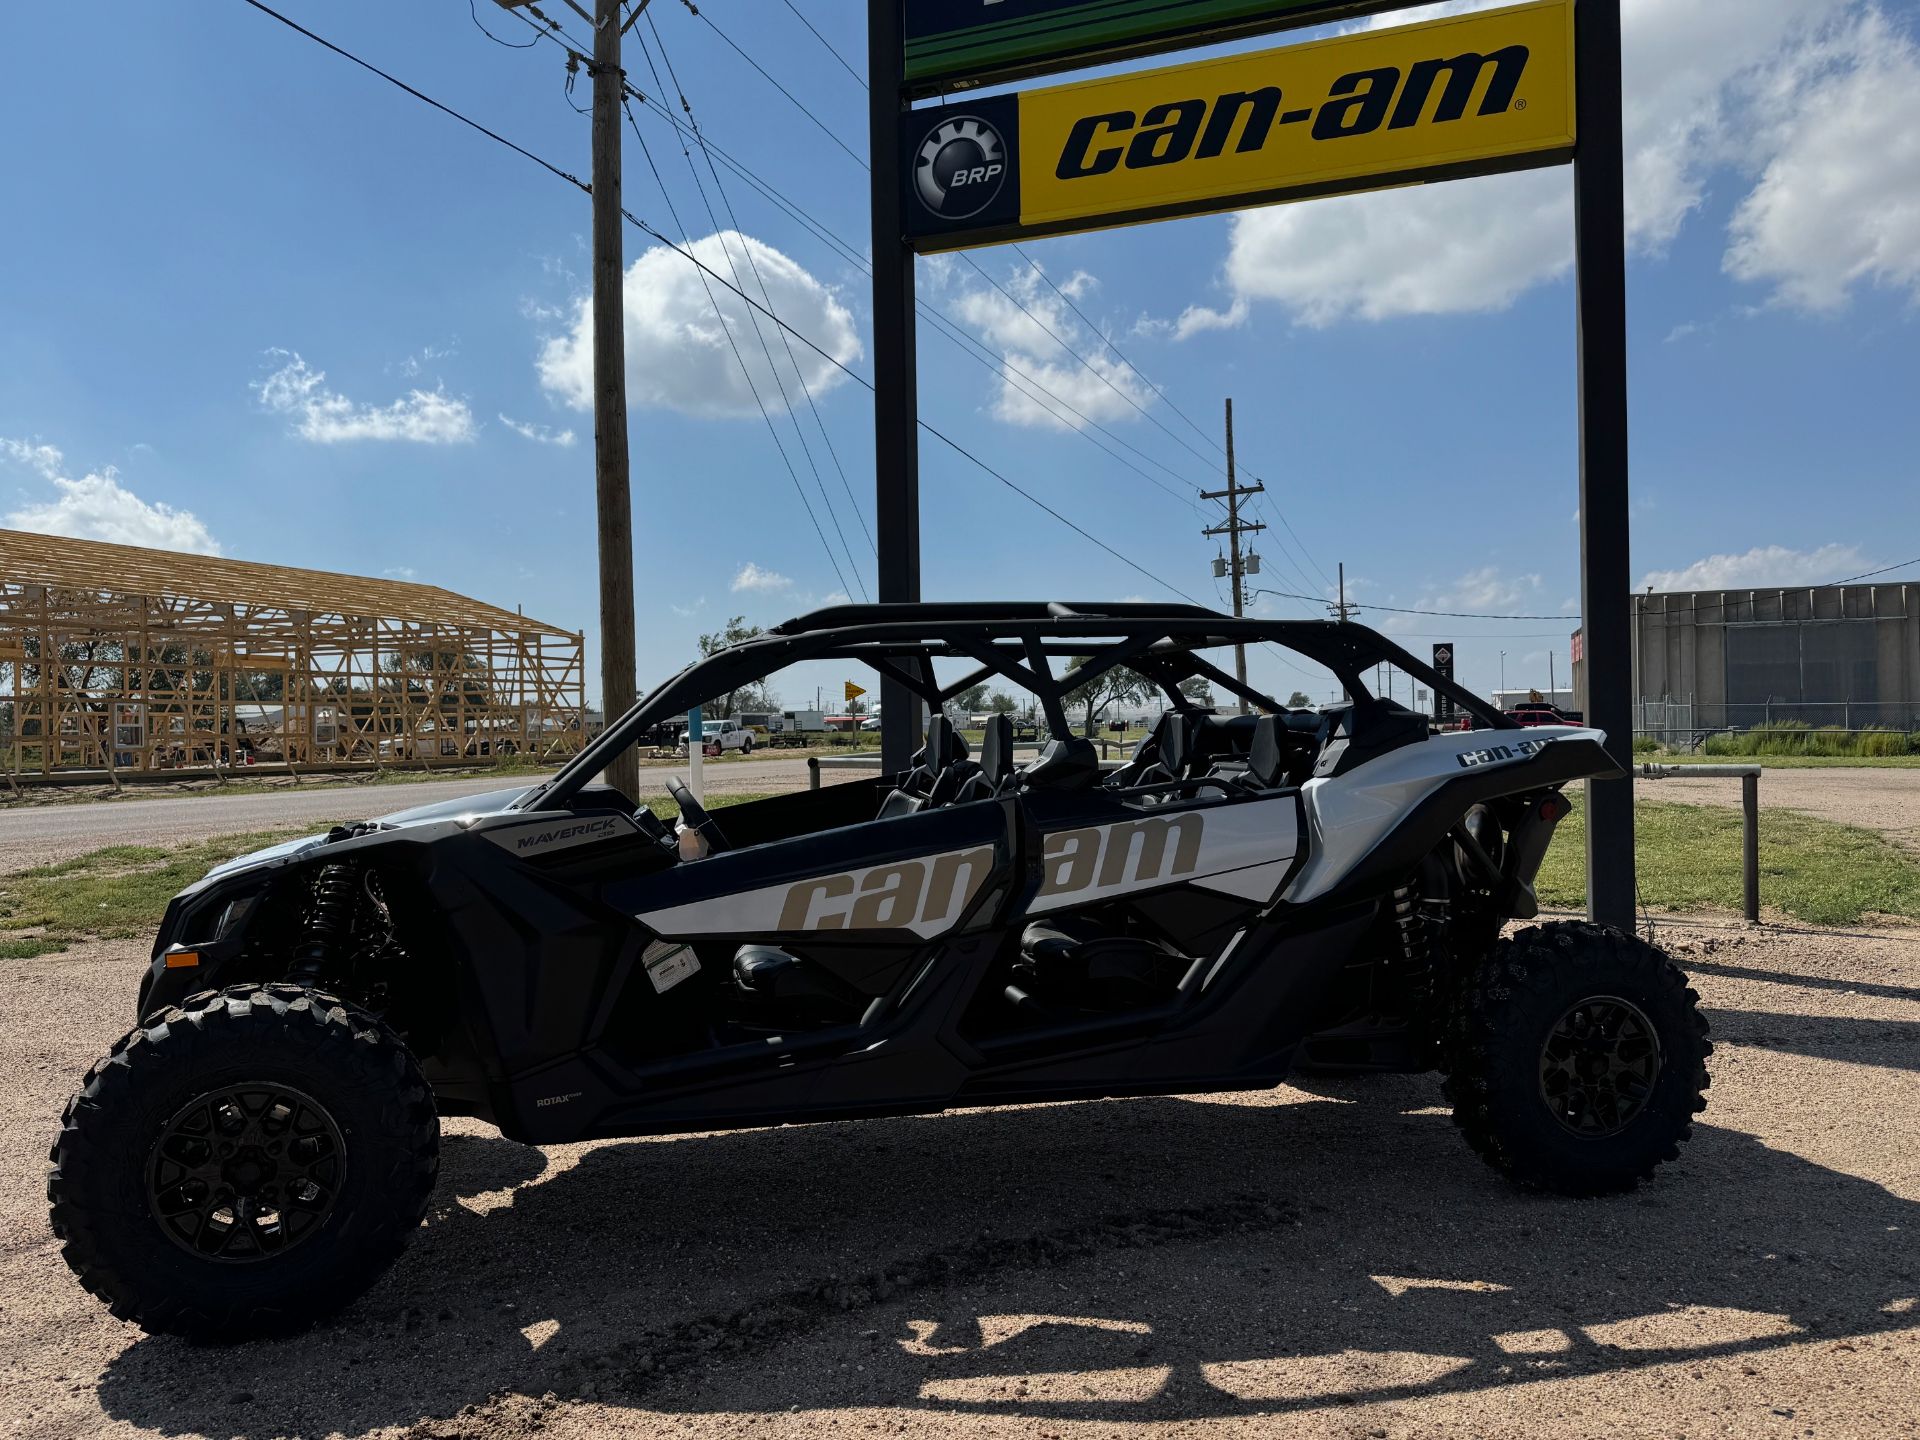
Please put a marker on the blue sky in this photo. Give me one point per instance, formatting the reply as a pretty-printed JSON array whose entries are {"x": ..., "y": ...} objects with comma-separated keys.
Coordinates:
[{"x": 260, "y": 301}]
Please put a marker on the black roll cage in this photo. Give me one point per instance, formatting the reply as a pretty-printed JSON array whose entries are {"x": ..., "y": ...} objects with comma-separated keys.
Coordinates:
[{"x": 1018, "y": 642}]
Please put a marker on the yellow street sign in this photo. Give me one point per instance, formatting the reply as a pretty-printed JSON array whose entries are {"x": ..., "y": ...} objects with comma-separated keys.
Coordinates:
[
  {"x": 1466, "y": 95},
  {"x": 854, "y": 692}
]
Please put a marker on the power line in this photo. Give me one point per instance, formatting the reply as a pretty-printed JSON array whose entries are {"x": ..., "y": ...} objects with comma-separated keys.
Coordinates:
[
  {"x": 969, "y": 344},
  {"x": 1403, "y": 610},
  {"x": 861, "y": 79},
  {"x": 825, "y": 129},
  {"x": 1012, "y": 299},
  {"x": 754, "y": 265},
  {"x": 695, "y": 260},
  {"x": 721, "y": 320},
  {"x": 767, "y": 295},
  {"x": 1575, "y": 619},
  {"x": 492, "y": 135},
  {"x": 1033, "y": 264},
  {"x": 481, "y": 27}
]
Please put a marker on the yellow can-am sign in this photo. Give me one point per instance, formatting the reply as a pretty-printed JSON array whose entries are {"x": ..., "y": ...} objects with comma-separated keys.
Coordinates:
[{"x": 1467, "y": 95}]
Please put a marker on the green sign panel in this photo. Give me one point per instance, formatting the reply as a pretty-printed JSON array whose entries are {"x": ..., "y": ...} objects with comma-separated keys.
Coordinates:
[{"x": 952, "y": 44}]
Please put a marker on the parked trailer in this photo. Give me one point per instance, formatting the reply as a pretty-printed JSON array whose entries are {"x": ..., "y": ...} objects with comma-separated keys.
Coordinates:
[{"x": 795, "y": 728}]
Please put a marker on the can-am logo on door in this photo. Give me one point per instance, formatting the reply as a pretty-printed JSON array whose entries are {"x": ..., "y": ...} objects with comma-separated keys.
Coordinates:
[{"x": 960, "y": 167}]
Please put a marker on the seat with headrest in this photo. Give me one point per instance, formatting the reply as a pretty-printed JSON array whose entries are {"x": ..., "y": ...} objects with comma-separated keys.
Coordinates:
[
  {"x": 1163, "y": 755},
  {"x": 996, "y": 762},
  {"x": 943, "y": 745},
  {"x": 1070, "y": 764},
  {"x": 938, "y": 769},
  {"x": 1264, "y": 764}
]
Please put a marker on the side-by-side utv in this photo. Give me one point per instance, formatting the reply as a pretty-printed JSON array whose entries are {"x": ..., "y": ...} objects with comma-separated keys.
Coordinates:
[{"x": 1243, "y": 895}]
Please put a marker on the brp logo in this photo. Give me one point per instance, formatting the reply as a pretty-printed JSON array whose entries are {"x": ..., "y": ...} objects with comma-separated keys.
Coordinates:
[{"x": 960, "y": 167}]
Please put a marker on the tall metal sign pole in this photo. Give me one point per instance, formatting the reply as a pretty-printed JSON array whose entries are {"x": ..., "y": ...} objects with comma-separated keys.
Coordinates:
[
  {"x": 896, "y": 430},
  {"x": 612, "y": 495},
  {"x": 1605, "y": 558},
  {"x": 1528, "y": 84}
]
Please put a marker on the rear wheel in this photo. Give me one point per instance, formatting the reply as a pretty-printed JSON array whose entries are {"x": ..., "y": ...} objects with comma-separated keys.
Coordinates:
[
  {"x": 1576, "y": 1059},
  {"x": 243, "y": 1164}
]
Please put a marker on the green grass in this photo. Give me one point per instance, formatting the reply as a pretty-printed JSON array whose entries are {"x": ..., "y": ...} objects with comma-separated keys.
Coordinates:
[
  {"x": 1688, "y": 858},
  {"x": 121, "y": 891},
  {"x": 114, "y": 892}
]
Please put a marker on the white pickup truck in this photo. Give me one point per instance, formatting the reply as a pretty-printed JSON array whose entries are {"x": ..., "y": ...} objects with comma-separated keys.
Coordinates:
[{"x": 717, "y": 737}]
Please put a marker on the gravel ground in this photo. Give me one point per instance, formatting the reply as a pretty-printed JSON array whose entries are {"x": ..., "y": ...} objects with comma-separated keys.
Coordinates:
[
  {"x": 1883, "y": 800},
  {"x": 1328, "y": 1261},
  {"x": 36, "y": 835}
]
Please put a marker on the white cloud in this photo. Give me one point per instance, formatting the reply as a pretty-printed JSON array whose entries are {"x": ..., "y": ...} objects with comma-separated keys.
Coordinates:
[
  {"x": 1195, "y": 320},
  {"x": 401, "y": 572},
  {"x": 326, "y": 417},
  {"x": 752, "y": 577},
  {"x": 1041, "y": 383},
  {"x": 1836, "y": 205},
  {"x": 1762, "y": 565},
  {"x": 679, "y": 357},
  {"x": 1700, "y": 76},
  {"x": 44, "y": 458},
  {"x": 427, "y": 355},
  {"x": 1489, "y": 588},
  {"x": 96, "y": 506},
  {"x": 1433, "y": 250},
  {"x": 540, "y": 434}
]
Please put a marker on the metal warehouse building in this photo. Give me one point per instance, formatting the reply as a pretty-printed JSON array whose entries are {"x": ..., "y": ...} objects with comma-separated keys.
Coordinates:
[
  {"x": 129, "y": 661},
  {"x": 1838, "y": 655}
]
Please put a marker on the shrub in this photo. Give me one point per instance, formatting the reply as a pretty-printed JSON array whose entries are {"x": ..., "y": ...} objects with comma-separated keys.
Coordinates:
[
  {"x": 1878, "y": 742},
  {"x": 1645, "y": 745},
  {"x": 1794, "y": 737}
]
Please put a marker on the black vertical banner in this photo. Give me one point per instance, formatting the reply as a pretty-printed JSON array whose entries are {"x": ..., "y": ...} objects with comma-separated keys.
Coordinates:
[{"x": 1442, "y": 702}]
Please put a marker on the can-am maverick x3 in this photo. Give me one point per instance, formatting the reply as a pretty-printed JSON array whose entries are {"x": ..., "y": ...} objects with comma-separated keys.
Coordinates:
[{"x": 1243, "y": 895}]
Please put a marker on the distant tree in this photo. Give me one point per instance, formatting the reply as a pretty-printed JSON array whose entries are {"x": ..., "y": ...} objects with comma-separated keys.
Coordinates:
[
  {"x": 1118, "y": 685},
  {"x": 757, "y": 697},
  {"x": 971, "y": 699},
  {"x": 1001, "y": 703},
  {"x": 1299, "y": 700},
  {"x": 1198, "y": 690}
]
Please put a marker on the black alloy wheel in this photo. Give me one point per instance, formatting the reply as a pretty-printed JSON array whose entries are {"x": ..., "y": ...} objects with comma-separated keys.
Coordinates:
[
  {"x": 1599, "y": 1065},
  {"x": 246, "y": 1172}
]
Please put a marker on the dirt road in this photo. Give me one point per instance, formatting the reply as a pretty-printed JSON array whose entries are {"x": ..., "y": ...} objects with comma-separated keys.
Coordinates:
[
  {"x": 1883, "y": 800},
  {"x": 34, "y": 835},
  {"x": 1325, "y": 1262}
]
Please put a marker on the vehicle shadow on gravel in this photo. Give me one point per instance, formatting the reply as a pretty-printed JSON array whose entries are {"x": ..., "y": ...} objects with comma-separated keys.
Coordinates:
[{"x": 1151, "y": 1259}]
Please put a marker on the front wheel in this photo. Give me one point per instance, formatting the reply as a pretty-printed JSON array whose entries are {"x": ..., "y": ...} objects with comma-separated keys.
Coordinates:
[
  {"x": 244, "y": 1164},
  {"x": 1576, "y": 1059}
]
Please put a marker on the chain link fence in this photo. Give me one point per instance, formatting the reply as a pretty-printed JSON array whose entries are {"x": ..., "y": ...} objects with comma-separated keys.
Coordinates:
[{"x": 1779, "y": 727}]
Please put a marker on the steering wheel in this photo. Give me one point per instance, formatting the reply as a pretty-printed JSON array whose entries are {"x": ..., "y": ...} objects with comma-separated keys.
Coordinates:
[{"x": 695, "y": 817}]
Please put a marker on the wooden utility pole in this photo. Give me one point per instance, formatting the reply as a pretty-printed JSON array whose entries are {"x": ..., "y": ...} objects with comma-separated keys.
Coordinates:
[
  {"x": 1233, "y": 530},
  {"x": 611, "y": 488}
]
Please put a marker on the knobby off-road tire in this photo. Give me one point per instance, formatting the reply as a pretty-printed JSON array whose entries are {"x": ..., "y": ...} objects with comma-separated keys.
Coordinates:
[
  {"x": 1576, "y": 1059},
  {"x": 243, "y": 1164}
]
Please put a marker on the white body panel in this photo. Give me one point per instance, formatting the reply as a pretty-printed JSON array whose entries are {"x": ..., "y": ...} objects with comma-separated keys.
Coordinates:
[
  {"x": 1349, "y": 815},
  {"x": 1228, "y": 848}
]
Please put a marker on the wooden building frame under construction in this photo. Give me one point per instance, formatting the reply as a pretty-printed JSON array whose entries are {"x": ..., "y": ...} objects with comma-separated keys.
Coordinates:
[{"x": 124, "y": 661}]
